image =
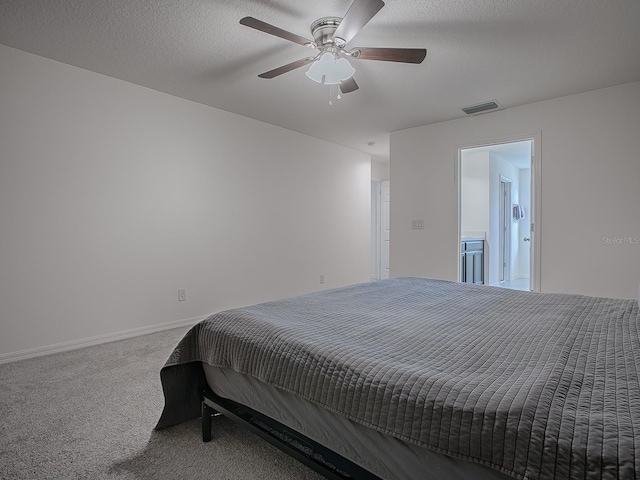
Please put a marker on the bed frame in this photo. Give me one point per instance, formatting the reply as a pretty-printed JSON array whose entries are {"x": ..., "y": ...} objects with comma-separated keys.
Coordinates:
[
  {"x": 540, "y": 361},
  {"x": 314, "y": 455}
]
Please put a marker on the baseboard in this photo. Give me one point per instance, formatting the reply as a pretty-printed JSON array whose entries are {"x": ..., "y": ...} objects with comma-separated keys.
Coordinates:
[{"x": 87, "y": 342}]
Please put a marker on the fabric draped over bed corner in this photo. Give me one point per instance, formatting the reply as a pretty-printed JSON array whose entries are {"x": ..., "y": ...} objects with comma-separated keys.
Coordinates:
[{"x": 538, "y": 386}]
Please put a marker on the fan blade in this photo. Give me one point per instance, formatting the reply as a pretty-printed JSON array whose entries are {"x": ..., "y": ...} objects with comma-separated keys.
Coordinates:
[
  {"x": 348, "y": 86},
  {"x": 286, "y": 68},
  {"x": 278, "y": 32},
  {"x": 358, "y": 15},
  {"x": 404, "y": 55}
]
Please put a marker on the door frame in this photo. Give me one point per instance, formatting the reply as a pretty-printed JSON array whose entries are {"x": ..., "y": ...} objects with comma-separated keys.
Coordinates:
[{"x": 535, "y": 215}]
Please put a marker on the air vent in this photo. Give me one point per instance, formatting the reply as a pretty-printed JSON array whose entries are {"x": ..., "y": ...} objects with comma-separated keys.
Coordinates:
[{"x": 481, "y": 108}]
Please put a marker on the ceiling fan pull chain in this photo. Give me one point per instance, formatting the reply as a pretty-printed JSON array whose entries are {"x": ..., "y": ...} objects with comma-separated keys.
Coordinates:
[{"x": 338, "y": 97}]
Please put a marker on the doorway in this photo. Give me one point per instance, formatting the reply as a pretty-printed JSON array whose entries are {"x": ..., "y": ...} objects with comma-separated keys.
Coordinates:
[
  {"x": 497, "y": 204},
  {"x": 380, "y": 216}
]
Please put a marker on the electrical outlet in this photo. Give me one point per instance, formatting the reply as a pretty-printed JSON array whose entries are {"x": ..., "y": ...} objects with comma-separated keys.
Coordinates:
[
  {"x": 321, "y": 278},
  {"x": 182, "y": 294}
]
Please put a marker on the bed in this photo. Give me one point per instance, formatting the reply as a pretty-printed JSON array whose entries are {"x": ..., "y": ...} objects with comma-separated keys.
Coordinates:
[{"x": 422, "y": 378}]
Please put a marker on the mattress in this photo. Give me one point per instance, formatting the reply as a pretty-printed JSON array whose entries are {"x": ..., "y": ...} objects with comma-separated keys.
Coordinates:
[
  {"x": 536, "y": 386},
  {"x": 383, "y": 455}
]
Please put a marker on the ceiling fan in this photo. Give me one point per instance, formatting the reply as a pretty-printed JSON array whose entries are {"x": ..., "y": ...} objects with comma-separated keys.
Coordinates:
[{"x": 330, "y": 36}]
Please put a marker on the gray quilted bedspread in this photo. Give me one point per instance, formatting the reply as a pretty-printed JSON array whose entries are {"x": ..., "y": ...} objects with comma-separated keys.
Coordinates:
[{"x": 538, "y": 386}]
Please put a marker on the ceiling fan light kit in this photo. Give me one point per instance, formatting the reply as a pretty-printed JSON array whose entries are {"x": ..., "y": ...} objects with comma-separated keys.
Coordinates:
[
  {"x": 330, "y": 36},
  {"x": 330, "y": 70}
]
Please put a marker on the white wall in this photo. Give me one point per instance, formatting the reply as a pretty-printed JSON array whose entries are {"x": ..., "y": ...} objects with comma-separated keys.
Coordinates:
[
  {"x": 589, "y": 190},
  {"x": 380, "y": 168},
  {"x": 474, "y": 194},
  {"x": 113, "y": 196}
]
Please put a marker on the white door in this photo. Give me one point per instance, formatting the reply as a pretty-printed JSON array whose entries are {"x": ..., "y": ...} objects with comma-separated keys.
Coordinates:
[
  {"x": 384, "y": 228},
  {"x": 375, "y": 230},
  {"x": 505, "y": 229},
  {"x": 524, "y": 227}
]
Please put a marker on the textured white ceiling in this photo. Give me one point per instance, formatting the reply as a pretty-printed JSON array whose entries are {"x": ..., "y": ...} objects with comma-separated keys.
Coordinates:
[{"x": 514, "y": 51}]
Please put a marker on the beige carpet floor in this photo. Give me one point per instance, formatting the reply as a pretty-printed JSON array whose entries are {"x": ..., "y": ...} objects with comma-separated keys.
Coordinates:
[{"x": 90, "y": 413}]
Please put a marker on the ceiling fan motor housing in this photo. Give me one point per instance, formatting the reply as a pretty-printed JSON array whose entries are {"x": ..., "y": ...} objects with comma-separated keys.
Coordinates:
[{"x": 323, "y": 30}]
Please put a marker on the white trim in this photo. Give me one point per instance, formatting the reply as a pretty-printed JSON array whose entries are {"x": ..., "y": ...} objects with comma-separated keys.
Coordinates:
[
  {"x": 89, "y": 341},
  {"x": 536, "y": 218}
]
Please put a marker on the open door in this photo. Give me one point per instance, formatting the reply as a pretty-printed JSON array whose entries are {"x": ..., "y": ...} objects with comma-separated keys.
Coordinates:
[{"x": 504, "y": 228}]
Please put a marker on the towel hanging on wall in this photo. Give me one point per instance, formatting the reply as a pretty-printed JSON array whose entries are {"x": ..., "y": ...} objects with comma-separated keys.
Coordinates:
[{"x": 518, "y": 211}]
